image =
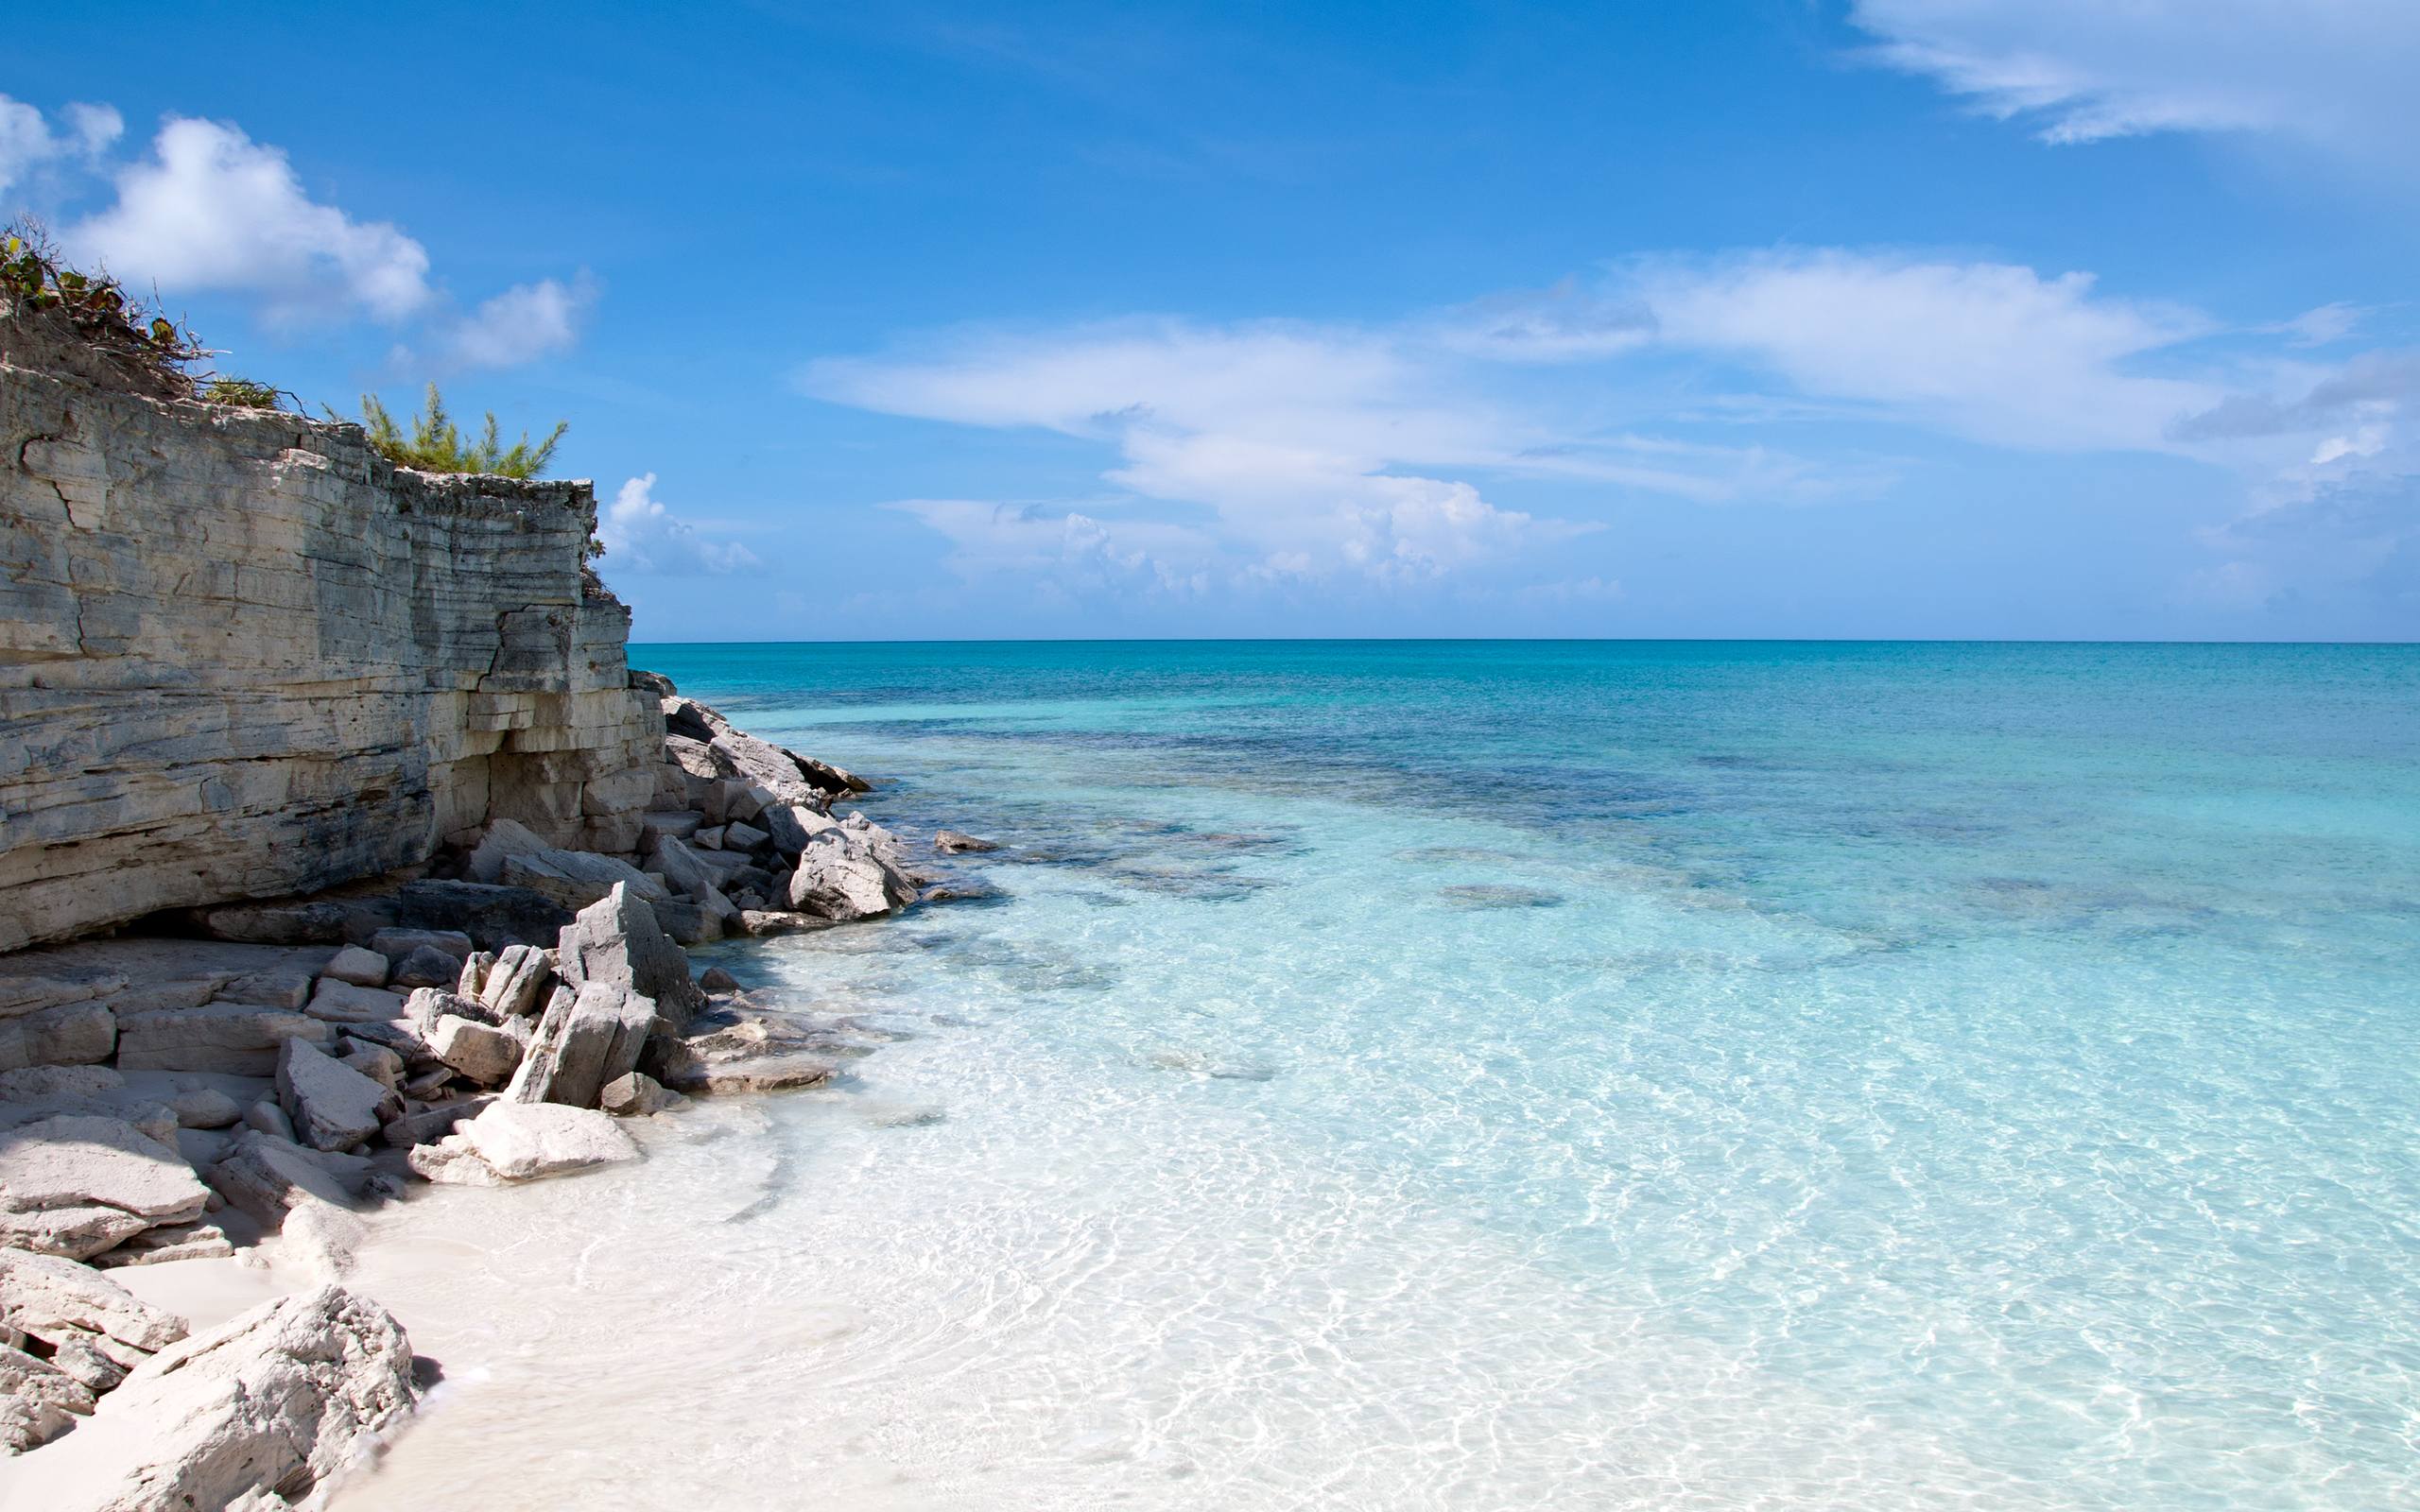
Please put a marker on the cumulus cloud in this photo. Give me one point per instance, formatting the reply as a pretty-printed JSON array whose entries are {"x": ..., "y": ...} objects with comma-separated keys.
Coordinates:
[
  {"x": 1988, "y": 350},
  {"x": 1306, "y": 444},
  {"x": 525, "y": 322},
  {"x": 2334, "y": 73},
  {"x": 642, "y": 535},
  {"x": 28, "y": 142},
  {"x": 211, "y": 209}
]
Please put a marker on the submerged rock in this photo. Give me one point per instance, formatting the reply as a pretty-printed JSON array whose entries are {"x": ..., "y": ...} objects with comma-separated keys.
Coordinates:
[{"x": 951, "y": 842}]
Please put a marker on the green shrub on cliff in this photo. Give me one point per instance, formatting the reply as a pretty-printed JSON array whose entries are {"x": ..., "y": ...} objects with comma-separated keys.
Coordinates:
[
  {"x": 131, "y": 337},
  {"x": 436, "y": 443},
  {"x": 242, "y": 393}
]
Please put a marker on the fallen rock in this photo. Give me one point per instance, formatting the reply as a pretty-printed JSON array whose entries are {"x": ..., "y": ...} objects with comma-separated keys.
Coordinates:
[
  {"x": 518, "y": 979},
  {"x": 655, "y": 828},
  {"x": 839, "y": 878},
  {"x": 429, "y": 1004},
  {"x": 222, "y": 1036},
  {"x": 77, "y": 1185},
  {"x": 450, "y": 1162},
  {"x": 38, "y": 1400},
  {"x": 761, "y": 922},
  {"x": 267, "y": 1176},
  {"x": 950, "y": 843},
  {"x": 29, "y": 1082},
  {"x": 154, "y": 1246},
  {"x": 524, "y": 1142},
  {"x": 636, "y": 1095},
  {"x": 577, "y": 878},
  {"x": 72, "y": 1034},
  {"x": 732, "y": 1048},
  {"x": 343, "y": 1003},
  {"x": 794, "y": 824},
  {"x": 358, "y": 965},
  {"x": 275, "y": 987},
  {"x": 586, "y": 1039},
  {"x": 485, "y": 1054},
  {"x": 617, "y": 940},
  {"x": 268, "y": 1118},
  {"x": 333, "y": 1105},
  {"x": 427, "y": 965},
  {"x": 426, "y": 1125},
  {"x": 400, "y": 941},
  {"x": 493, "y": 917},
  {"x": 279, "y": 1400},
  {"x": 473, "y": 980},
  {"x": 739, "y": 837},
  {"x": 56, "y": 1299},
  {"x": 374, "y": 1061},
  {"x": 715, "y": 979},
  {"x": 401, "y": 1037}
]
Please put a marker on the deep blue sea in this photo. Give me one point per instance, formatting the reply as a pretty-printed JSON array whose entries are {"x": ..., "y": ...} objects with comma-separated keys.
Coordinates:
[{"x": 1408, "y": 1075}]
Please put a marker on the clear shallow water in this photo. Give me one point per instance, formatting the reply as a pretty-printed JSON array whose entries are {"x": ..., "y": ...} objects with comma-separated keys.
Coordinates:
[{"x": 1503, "y": 1076}]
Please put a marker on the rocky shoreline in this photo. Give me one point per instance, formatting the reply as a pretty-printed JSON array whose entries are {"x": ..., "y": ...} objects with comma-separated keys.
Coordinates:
[{"x": 241, "y": 1083}]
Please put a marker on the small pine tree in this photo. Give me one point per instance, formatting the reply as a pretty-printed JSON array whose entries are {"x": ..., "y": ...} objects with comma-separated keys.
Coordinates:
[{"x": 436, "y": 443}]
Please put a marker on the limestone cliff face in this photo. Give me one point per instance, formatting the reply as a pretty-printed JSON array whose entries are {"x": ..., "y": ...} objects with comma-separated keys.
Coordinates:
[{"x": 242, "y": 656}]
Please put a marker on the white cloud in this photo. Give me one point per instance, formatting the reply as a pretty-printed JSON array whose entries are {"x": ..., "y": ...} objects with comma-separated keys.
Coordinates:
[
  {"x": 211, "y": 209},
  {"x": 29, "y": 144},
  {"x": 2334, "y": 73},
  {"x": 643, "y": 536},
  {"x": 1295, "y": 438},
  {"x": 1987, "y": 349},
  {"x": 522, "y": 324}
]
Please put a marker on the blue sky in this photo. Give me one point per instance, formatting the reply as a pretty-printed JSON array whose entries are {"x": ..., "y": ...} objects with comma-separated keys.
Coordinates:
[{"x": 1796, "y": 317}]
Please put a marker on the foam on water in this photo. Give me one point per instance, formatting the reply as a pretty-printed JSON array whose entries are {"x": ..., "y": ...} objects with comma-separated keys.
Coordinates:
[{"x": 1505, "y": 1076}]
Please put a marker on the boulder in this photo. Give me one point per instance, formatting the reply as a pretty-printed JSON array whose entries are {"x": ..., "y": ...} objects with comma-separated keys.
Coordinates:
[
  {"x": 732, "y": 1048},
  {"x": 839, "y": 878},
  {"x": 514, "y": 986},
  {"x": 427, "y": 965},
  {"x": 739, "y": 837},
  {"x": 524, "y": 1142},
  {"x": 77, "y": 1185},
  {"x": 60, "y": 1301},
  {"x": 72, "y": 1034},
  {"x": 794, "y": 824},
  {"x": 636, "y": 1095},
  {"x": 155, "y": 1246},
  {"x": 576, "y": 878},
  {"x": 358, "y": 965},
  {"x": 493, "y": 917},
  {"x": 373, "y": 1060},
  {"x": 268, "y": 1118},
  {"x": 485, "y": 1054},
  {"x": 429, "y": 1004},
  {"x": 426, "y": 1125},
  {"x": 38, "y": 1400},
  {"x": 715, "y": 979},
  {"x": 274, "y": 987},
  {"x": 617, "y": 940},
  {"x": 760, "y": 922},
  {"x": 450, "y": 1162},
  {"x": 950, "y": 843},
  {"x": 278, "y": 1400},
  {"x": 708, "y": 839},
  {"x": 586, "y": 1039},
  {"x": 400, "y": 1036},
  {"x": 680, "y": 824},
  {"x": 683, "y": 866},
  {"x": 689, "y": 924},
  {"x": 221, "y": 1036},
  {"x": 399, "y": 941},
  {"x": 268, "y": 1177},
  {"x": 473, "y": 979},
  {"x": 333, "y": 1105},
  {"x": 504, "y": 839},
  {"x": 343, "y": 1003}
]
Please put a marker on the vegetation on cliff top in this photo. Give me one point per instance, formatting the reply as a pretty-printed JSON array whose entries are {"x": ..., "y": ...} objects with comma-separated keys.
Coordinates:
[
  {"x": 129, "y": 336},
  {"x": 437, "y": 444}
]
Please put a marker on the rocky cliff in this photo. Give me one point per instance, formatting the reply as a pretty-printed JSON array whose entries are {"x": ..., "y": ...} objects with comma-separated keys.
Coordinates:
[{"x": 241, "y": 655}]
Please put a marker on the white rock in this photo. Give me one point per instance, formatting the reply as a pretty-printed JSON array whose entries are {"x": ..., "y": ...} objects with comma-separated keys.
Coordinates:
[
  {"x": 56, "y": 1299},
  {"x": 839, "y": 878},
  {"x": 485, "y": 1054},
  {"x": 523, "y": 1141},
  {"x": 343, "y": 1003},
  {"x": 332, "y": 1105},
  {"x": 286, "y": 1396},
  {"x": 38, "y": 1400},
  {"x": 220, "y": 1037},
  {"x": 358, "y": 966},
  {"x": 520, "y": 976},
  {"x": 586, "y": 1039},
  {"x": 78, "y": 1185},
  {"x": 617, "y": 940},
  {"x": 73, "y": 1034},
  {"x": 451, "y": 1162}
]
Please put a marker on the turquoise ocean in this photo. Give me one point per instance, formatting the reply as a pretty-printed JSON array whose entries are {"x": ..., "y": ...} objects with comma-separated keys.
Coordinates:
[{"x": 1407, "y": 1074}]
